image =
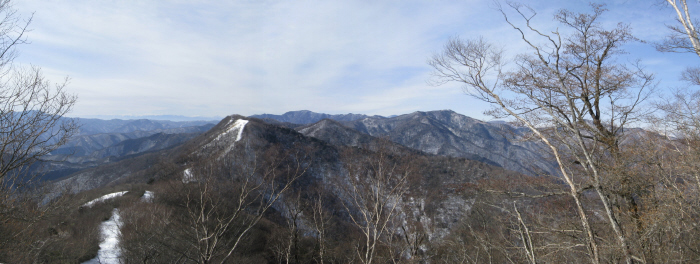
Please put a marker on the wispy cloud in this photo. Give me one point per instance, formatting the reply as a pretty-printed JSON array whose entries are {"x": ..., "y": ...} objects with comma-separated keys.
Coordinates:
[{"x": 219, "y": 57}]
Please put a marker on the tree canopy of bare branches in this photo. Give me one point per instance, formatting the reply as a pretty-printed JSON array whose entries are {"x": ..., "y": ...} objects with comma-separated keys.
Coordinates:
[
  {"x": 375, "y": 186},
  {"x": 31, "y": 126},
  {"x": 569, "y": 90},
  {"x": 31, "y": 107}
]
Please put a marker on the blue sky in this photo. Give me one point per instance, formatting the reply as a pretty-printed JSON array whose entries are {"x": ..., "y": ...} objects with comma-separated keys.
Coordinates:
[{"x": 216, "y": 58}]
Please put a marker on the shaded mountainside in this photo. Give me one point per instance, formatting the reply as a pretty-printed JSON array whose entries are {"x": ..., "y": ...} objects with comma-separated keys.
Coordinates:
[
  {"x": 442, "y": 133},
  {"x": 449, "y": 133},
  {"x": 87, "y": 145},
  {"x": 88, "y": 151},
  {"x": 335, "y": 133},
  {"x": 215, "y": 142}
]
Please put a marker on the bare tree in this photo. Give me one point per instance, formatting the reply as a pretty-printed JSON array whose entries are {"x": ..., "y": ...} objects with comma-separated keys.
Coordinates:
[
  {"x": 321, "y": 221},
  {"x": 374, "y": 185},
  {"x": 31, "y": 107},
  {"x": 570, "y": 92},
  {"x": 681, "y": 110},
  {"x": 286, "y": 247},
  {"x": 227, "y": 197},
  {"x": 683, "y": 38},
  {"x": 31, "y": 126}
]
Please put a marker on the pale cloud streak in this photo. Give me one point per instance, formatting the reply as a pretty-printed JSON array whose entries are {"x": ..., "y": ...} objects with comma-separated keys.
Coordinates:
[{"x": 209, "y": 58}]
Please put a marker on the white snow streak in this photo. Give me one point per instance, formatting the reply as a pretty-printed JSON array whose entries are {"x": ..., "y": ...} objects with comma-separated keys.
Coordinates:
[
  {"x": 240, "y": 123},
  {"x": 187, "y": 176},
  {"x": 104, "y": 197},
  {"x": 109, "y": 248},
  {"x": 147, "y": 196},
  {"x": 236, "y": 127}
]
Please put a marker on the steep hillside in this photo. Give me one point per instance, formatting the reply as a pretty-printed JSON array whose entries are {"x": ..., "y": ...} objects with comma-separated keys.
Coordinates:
[
  {"x": 335, "y": 133},
  {"x": 443, "y": 133}
]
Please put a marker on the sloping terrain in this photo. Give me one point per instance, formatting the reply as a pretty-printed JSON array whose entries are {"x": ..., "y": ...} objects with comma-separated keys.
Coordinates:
[
  {"x": 335, "y": 133},
  {"x": 86, "y": 151},
  {"x": 94, "y": 147},
  {"x": 443, "y": 133},
  {"x": 328, "y": 151}
]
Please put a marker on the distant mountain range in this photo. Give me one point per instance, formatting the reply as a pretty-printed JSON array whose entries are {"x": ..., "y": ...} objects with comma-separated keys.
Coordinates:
[
  {"x": 308, "y": 117},
  {"x": 444, "y": 151},
  {"x": 101, "y": 126},
  {"x": 176, "y": 118},
  {"x": 326, "y": 143},
  {"x": 443, "y": 132},
  {"x": 103, "y": 141}
]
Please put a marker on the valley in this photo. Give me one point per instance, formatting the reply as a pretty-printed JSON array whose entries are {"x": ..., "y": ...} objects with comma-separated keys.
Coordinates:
[{"x": 434, "y": 187}]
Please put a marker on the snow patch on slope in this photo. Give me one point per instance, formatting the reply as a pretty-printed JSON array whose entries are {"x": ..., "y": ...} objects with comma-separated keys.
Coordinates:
[
  {"x": 237, "y": 128},
  {"x": 226, "y": 140},
  {"x": 147, "y": 197},
  {"x": 187, "y": 176},
  {"x": 104, "y": 198},
  {"x": 109, "y": 248}
]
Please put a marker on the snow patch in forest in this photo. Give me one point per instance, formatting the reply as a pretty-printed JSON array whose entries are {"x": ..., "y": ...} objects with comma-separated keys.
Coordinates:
[
  {"x": 147, "y": 196},
  {"x": 187, "y": 176},
  {"x": 109, "y": 247},
  {"x": 104, "y": 198}
]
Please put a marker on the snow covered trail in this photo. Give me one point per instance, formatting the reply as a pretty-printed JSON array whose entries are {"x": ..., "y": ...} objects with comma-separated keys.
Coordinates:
[
  {"x": 109, "y": 248},
  {"x": 110, "y": 231},
  {"x": 104, "y": 197}
]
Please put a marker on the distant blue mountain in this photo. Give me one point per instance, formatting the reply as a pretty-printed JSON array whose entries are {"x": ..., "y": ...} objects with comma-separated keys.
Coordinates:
[
  {"x": 91, "y": 126},
  {"x": 308, "y": 117},
  {"x": 176, "y": 118}
]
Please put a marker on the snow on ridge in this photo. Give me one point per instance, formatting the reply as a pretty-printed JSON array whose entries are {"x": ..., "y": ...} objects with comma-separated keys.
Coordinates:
[
  {"x": 237, "y": 127},
  {"x": 104, "y": 197},
  {"x": 240, "y": 123}
]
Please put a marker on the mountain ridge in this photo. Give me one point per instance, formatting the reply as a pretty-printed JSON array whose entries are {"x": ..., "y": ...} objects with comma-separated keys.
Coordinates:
[{"x": 308, "y": 117}]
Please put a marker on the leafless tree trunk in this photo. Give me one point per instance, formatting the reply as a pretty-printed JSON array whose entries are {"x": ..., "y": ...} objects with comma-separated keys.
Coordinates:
[
  {"x": 287, "y": 247},
  {"x": 321, "y": 221},
  {"x": 375, "y": 186},
  {"x": 570, "y": 94},
  {"x": 228, "y": 197},
  {"x": 684, "y": 37}
]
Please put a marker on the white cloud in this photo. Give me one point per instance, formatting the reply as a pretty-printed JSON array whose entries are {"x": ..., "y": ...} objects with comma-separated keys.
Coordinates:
[{"x": 218, "y": 57}]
